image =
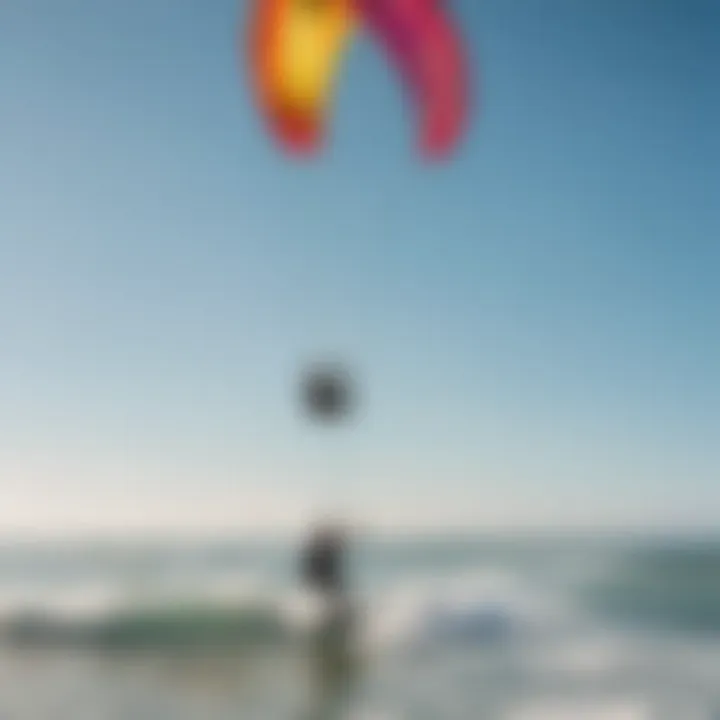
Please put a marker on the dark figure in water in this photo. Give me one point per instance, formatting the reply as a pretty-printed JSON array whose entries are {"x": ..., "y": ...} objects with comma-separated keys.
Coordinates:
[
  {"x": 323, "y": 562},
  {"x": 323, "y": 571}
]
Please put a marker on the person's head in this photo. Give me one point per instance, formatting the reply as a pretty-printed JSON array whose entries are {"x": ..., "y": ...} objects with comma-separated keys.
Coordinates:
[{"x": 331, "y": 533}]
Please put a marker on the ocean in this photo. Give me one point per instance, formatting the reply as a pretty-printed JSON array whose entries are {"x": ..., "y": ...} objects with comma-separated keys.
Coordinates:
[{"x": 454, "y": 628}]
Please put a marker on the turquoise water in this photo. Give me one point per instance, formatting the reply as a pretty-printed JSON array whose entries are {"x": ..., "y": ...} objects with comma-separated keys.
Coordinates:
[{"x": 499, "y": 628}]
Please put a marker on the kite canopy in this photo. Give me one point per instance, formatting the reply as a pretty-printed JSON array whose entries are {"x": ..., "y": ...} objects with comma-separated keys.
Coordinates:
[{"x": 296, "y": 47}]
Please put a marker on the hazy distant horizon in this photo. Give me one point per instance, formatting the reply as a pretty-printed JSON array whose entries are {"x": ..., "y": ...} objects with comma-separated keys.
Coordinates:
[{"x": 205, "y": 516}]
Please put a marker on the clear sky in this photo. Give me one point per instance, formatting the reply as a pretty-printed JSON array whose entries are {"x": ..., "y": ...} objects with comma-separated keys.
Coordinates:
[{"x": 535, "y": 325}]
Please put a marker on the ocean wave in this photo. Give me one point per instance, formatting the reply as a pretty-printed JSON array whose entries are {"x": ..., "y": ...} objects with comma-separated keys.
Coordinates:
[
  {"x": 219, "y": 613},
  {"x": 172, "y": 626},
  {"x": 480, "y": 607},
  {"x": 675, "y": 589},
  {"x": 671, "y": 588}
]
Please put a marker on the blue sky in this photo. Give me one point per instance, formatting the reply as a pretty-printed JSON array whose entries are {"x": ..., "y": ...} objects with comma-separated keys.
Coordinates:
[{"x": 535, "y": 324}]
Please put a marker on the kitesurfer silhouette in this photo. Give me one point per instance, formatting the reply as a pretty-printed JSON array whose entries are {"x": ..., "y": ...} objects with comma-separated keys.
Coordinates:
[
  {"x": 323, "y": 560},
  {"x": 323, "y": 570}
]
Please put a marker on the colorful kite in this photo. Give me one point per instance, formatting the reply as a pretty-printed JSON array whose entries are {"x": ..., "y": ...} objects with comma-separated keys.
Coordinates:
[{"x": 295, "y": 51}]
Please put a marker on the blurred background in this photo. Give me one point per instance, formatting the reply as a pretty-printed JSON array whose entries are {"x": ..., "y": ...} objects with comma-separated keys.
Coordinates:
[{"x": 532, "y": 477}]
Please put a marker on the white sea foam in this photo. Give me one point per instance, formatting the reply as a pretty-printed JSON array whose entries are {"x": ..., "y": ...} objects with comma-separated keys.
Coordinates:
[
  {"x": 472, "y": 605},
  {"x": 600, "y": 709}
]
